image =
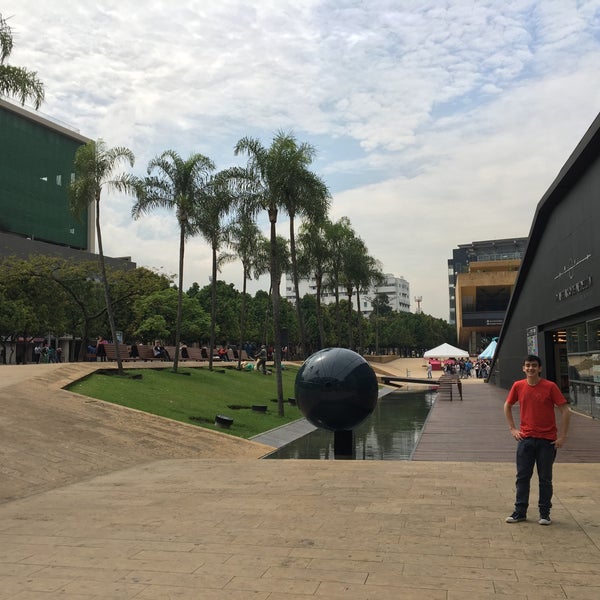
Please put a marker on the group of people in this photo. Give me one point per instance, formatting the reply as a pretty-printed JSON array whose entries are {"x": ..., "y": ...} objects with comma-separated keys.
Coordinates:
[
  {"x": 466, "y": 368},
  {"x": 45, "y": 353}
]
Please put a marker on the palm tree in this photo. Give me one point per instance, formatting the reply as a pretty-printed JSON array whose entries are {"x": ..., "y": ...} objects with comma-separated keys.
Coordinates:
[
  {"x": 244, "y": 237},
  {"x": 307, "y": 196},
  {"x": 262, "y": 265},
  {"x": 314, "y": 255},
  {"x": 17, "y": 81},
  {"x": 179, "y": 185},
  {"x": 368, "y": 274},
  {"x": 353, "y": 250},
  {"x": 269, "y": 174},
  {"x": 211, "y": 210},
  {"x": 95, "y": 165},
  {"x": 336, "y": 235}
]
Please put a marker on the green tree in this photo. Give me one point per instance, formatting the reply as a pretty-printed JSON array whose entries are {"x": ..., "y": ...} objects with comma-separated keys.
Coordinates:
[
  {"x": 313, "y": 258},
  {"x": 17, "y": 81},
  {"x": 176, "y": 184},
  {"x": 156, "y": 316},
  {"x": 29, "y": 303},
  {"x": 269, "y": 173},
  {"x": 228, "y": 301},
  {"x": 305, "y": 195},
  {"x": 243, "y": 237},
  {"x": 337, "y": 236},
  {"x": 213, "y": 208},
  {"x": 95, "y": 166}
]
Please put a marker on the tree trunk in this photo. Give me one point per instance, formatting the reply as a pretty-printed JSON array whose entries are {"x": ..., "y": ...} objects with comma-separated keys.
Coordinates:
[
  {"x": 350, "y": 328},
  {"x": 109, "y": 311},
  {"x": 338, "y": 320},
  {"x": 242, "y": 320},
  {"x": 319, "y": 282},
  {"x": 213, "y": 308},
  {"x": 299, "y": 314},
  {"x": 179, "y": 299},
  {"x": 276, "y": 312},
  {"x": 360, "y": 329}
]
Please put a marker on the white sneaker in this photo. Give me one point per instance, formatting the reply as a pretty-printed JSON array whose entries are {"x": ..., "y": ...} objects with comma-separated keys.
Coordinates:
[
  {"x": 545, "y": 521},
  {"x": 515, "y": 518}
]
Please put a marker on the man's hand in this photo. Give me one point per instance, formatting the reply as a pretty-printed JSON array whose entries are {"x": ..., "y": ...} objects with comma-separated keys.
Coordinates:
[
  {"x": 516, "y": 433},
  {"x": 559, "y": 442}
]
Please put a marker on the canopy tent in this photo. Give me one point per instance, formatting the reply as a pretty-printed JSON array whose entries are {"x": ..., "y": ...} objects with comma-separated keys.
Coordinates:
[
  {"x": 489, "y": 351},
  {"x": 446, "y": 351}
]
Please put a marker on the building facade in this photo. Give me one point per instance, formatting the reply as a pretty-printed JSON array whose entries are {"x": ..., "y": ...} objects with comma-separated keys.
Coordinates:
[
  {"x": 397, "y": 290},
  {"x": 554, "y": 310},
  {"x": 481, "y": 277},
  {"x": 36, "y": 168}
]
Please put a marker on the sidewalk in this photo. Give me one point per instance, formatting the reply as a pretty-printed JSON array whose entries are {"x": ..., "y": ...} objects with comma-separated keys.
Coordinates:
[{"x": 233, "y": 527}]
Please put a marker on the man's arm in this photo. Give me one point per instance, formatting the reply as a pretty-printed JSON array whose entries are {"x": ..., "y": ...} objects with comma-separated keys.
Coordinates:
[
  {"x": 565, "y": 419},
  {"x": 511, "y": 422}
]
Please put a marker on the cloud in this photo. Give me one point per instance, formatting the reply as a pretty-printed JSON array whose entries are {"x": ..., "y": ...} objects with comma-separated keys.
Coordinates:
[{"x": 437, "y": 123}]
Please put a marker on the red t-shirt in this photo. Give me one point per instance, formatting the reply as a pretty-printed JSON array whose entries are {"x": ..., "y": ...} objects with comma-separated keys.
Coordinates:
[{"x": 536, "y": 406}]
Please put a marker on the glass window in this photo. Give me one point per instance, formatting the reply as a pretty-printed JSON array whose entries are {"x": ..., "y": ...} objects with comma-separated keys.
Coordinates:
[
  {"x": 593, "y": 334},
  {"x": 577, "y": 338}
]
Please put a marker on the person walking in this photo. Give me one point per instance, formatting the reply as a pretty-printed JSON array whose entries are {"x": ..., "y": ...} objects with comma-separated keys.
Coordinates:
[{"x": 538, "y": 436}]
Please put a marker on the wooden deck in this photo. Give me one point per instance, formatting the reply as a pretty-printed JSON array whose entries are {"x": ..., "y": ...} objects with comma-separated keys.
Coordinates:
[{"x": 475, "y": 430}]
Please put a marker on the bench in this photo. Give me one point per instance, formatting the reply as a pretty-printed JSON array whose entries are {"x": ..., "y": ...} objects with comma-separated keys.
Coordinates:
[
  {"x": 146, "y": 353},
  {"x": 193, "y": 353},
  {"x": 111, "y": 352}
]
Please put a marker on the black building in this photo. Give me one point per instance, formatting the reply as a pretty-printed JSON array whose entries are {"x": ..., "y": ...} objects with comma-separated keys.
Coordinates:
[{"x": 554, "y": 310}]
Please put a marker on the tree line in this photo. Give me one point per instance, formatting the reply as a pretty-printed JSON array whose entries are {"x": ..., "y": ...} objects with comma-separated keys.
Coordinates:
[{"x": 48, "y": 295}]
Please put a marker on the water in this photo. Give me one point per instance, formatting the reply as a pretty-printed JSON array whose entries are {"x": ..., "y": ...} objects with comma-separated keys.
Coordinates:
[{"x": 391, "y": 432}]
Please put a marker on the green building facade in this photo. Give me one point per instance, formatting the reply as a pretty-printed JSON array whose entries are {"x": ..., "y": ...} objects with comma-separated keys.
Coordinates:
[{"x": 36, "y": 168}]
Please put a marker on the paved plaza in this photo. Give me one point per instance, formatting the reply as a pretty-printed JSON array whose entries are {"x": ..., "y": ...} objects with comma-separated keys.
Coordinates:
[{"x": 99, "y": 502}]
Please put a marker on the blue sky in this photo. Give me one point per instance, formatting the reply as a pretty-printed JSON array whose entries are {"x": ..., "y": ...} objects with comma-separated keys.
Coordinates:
[{"x": 435, "y": 123}]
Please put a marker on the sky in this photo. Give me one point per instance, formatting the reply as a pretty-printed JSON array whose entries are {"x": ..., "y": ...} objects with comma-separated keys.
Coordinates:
[{"x": 435, "y": 123}]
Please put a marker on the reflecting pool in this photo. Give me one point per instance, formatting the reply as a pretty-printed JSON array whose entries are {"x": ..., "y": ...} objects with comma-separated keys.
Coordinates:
[{"x": 391, "y": 432}]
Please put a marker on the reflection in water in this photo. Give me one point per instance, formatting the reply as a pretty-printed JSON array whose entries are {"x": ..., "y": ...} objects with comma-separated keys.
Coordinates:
[{"x": 390, "y": 433}]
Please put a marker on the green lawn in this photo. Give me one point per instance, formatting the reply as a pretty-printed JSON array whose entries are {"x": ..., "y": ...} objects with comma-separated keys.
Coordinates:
[{"x": 197, "y": 395}]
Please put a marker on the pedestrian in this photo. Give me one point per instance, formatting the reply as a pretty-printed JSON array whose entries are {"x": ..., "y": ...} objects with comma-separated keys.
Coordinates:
[
  {"x": 429, "y": 370},
  {"x": 261, "y": 363},
  {"x": 538, "y": 436},
  {"x": 100, "y": 349}
]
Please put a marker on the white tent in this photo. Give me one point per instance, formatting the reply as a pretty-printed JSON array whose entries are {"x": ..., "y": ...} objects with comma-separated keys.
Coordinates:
[
  {"x": 445, "y": 351},
  {"x": 489, "y": 351}
]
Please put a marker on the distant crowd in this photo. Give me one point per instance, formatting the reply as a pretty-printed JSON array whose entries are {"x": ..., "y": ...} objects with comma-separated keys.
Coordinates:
[{"x": 466, "y": 368}]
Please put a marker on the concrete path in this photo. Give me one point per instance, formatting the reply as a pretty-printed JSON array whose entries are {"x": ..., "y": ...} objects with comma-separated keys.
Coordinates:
[{"x": 232, "y": 527}]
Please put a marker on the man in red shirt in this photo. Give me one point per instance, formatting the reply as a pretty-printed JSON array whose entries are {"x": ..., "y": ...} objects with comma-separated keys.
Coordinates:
[{"x": 538, "y": 437}]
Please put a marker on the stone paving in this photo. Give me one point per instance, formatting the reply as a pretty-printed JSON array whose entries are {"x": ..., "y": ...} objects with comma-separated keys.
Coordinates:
[{"x": 219, "y": 524}]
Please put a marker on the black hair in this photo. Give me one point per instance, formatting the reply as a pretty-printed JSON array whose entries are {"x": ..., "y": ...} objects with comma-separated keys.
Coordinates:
[{"x": 533, "y": 358}]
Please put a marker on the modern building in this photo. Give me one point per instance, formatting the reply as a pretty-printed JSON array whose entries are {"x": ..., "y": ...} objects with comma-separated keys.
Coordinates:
[
  {"x": 36, "y": 168},
  {"x": 554, "y": 310},
  {"x": 397, "y": 290},
  {"x": 481, "y": 277}
]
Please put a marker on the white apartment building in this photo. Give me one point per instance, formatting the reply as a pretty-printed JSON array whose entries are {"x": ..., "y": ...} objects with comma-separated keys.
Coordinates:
[{"x": 397, "y": 290}]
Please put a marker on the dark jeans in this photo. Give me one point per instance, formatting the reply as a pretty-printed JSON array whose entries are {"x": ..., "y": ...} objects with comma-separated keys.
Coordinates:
[{"x": 541, "y": 453}]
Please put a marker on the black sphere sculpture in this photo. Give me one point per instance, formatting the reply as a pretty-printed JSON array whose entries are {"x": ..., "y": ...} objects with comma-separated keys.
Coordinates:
[{"x": 336, "y": 389}]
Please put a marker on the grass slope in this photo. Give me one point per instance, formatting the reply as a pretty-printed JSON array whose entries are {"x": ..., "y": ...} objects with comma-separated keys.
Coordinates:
[{"x": 197, "y": 395}]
